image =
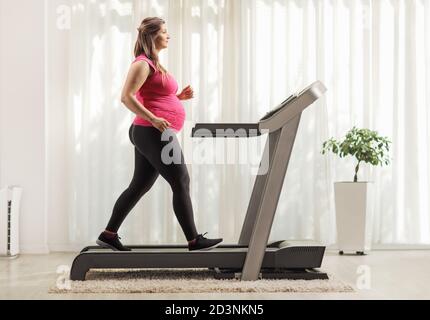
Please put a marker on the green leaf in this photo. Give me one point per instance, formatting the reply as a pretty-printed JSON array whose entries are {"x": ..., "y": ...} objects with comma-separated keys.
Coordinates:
[{"x": 363, "y": 144}]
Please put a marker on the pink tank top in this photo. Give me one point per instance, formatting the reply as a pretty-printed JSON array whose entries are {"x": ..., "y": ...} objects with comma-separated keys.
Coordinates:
[{"x": 160, "y": 100}]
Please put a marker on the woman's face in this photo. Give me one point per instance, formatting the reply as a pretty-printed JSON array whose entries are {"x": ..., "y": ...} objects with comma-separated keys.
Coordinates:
[{"x": 163, "y": 38}]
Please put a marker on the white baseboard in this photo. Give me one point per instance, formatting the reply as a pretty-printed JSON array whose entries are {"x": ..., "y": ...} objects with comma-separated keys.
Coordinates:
[
  {"x": 393, "y": 246},
  {"x": 68, "y": 247},
  {"x": 33, "y": 249},
  {"x": 401, "y": 247}
]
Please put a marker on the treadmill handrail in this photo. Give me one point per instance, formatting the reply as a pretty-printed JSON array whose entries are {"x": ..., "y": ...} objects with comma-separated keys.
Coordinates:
[{"x": 226, "y": 130}]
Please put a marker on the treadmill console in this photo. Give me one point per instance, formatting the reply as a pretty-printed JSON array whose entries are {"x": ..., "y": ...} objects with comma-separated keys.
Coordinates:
[{"x": 279, "y": 108}]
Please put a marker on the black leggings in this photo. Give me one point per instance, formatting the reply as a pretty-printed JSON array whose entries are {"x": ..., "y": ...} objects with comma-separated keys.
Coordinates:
[{"x": 148, "y": 166}]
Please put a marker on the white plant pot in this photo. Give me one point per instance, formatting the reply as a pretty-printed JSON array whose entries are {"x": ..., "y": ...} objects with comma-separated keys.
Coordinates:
[{"x": 353, "y": 216}]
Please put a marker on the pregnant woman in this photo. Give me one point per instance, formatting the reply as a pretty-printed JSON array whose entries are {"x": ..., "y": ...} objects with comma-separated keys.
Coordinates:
[{"x": 150, "y": 93}]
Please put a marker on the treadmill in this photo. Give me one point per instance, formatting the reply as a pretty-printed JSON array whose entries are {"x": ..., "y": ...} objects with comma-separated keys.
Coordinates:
[{"x": 252, "y": 258}]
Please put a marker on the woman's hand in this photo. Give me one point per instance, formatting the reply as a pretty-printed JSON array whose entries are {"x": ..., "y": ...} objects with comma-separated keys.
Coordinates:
[
  {"x": 186, "y": 94},
  {"x": 161, "y": 124}
]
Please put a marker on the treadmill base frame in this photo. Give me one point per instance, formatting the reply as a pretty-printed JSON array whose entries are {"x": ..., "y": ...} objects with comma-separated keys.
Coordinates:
[{"x": 291, "y": 274}]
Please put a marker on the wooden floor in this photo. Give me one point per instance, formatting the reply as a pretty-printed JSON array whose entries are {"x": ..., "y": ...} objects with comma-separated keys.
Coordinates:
[{"x": 379, "y": 275}]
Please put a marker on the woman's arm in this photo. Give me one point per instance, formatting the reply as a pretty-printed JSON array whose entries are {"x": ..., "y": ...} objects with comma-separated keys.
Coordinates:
[{"x": 137, "y": 76}]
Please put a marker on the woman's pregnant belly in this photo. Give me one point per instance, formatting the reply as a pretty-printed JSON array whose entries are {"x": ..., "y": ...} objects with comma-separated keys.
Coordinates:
[{"x": 166, "y": 107}]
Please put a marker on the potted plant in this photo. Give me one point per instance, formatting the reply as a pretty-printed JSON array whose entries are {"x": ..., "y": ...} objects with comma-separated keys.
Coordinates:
[{"x": 353, "y": 199}]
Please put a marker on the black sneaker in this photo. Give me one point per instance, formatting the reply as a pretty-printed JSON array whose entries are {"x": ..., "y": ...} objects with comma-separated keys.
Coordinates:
[
  {"x": 111, "y": 243},
  {"x": 202, "y": 243}
]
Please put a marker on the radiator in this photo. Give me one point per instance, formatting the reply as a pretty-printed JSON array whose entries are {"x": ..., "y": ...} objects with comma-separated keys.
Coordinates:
[{"x": 10, "y": 198}]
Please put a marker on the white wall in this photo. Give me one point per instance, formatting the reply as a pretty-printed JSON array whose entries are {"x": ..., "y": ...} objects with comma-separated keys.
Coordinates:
[{"x": 22, "y": 115}]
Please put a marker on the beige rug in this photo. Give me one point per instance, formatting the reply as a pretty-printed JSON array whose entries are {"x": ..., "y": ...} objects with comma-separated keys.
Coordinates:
[{"x": 187, "y": 281}]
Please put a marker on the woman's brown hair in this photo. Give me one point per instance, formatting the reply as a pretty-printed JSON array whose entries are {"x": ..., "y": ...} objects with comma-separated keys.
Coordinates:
[{"x": 145, "y": 44}]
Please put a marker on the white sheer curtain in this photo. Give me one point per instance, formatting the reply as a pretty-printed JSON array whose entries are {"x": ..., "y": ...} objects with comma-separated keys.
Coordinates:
[{"x": 242, "y": 58}]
